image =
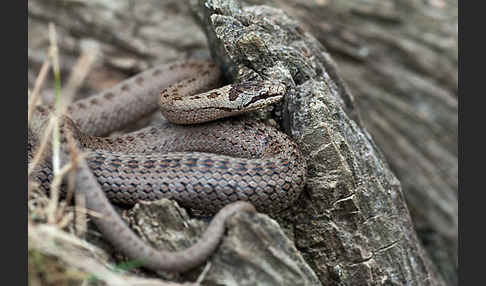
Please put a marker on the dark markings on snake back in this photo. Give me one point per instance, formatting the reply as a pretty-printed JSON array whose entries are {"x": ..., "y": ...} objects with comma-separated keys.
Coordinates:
[
  {"x": 299, "y": 30},
  {"x": 97, "y": 161},
  {"x": 148, "y": 188},
  {"x": 258, "y": 169},
  {"x": 149, "y": 164},
  {"x": 125, "y": 87},
  {"x": 172, "y": 162},
  {"x": 116, "y": 163},
  {"x": 109, "y": 95},
  {"x": 270, "y": 166},
  {"x": 164, "y": 163},
  {"x": 213, "y": 95},
  {"x": 191, "y": 162},
  {"x": 133, "y": 187},
  {"x": 104, "y": 116},
  {"x": 132, "y": 164},
  {"x": 208, "y": 163},
  {"x": 164, "y": 188},
  {"x": 139, "y": 80},
  {"x": 194, "y": 65},
  {"x": 223, "y": 166},
  {"x": 241, "y": 167}
]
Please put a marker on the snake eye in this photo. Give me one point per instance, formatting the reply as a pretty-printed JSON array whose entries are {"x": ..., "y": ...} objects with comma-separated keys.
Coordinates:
[{"x": 256, "y": 94}]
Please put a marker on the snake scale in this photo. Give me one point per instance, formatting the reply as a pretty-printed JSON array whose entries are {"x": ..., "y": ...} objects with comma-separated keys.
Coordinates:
[{"x": 202, "y": 161}]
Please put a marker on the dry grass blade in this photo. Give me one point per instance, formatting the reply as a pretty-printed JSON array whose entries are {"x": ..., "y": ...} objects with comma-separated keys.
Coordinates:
[
  {"x": 75, "y": 80},
  {"x": 80, "y": 71},
  {"x": 54, "y": 56},
  {"x": 40, "y": 152},
  {"x": 39, "y": 82},
  {"x": 56, "y": 144}
]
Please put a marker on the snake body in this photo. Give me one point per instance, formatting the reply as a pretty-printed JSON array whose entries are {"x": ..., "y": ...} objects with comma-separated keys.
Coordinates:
[{"x": 204, "y": 166}]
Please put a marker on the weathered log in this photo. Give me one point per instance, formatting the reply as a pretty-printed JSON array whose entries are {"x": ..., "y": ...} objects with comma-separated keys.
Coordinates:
[{"x": 399, "y": 59}]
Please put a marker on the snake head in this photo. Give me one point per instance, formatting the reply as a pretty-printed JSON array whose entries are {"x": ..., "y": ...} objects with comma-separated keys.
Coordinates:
[
  {"x": 253, "y": 95},
  {"x": 229, "y": 100}
]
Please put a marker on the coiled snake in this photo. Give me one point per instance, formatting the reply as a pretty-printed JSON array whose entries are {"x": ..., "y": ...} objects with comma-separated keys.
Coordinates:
[{"x": 203, "y": 166}]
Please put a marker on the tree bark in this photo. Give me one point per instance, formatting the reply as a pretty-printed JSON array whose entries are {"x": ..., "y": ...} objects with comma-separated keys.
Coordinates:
[{"x": 399, "y": 60}]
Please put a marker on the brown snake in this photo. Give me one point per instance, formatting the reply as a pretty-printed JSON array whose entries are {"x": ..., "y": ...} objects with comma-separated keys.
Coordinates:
[{"x": 209, "y": 166}]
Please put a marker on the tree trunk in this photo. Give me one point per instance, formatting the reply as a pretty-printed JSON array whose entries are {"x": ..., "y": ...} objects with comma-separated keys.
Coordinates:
[{"x": 399, "y": 60}]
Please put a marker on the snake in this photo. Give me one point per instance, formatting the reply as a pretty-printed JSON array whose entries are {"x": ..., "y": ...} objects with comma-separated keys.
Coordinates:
[{"x": 208, "y": 155}]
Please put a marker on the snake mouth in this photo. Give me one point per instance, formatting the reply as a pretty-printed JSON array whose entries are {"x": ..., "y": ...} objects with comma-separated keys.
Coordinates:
[
  {"x": 267, "y": 98},
  {"x": 256, "y": 94}
]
